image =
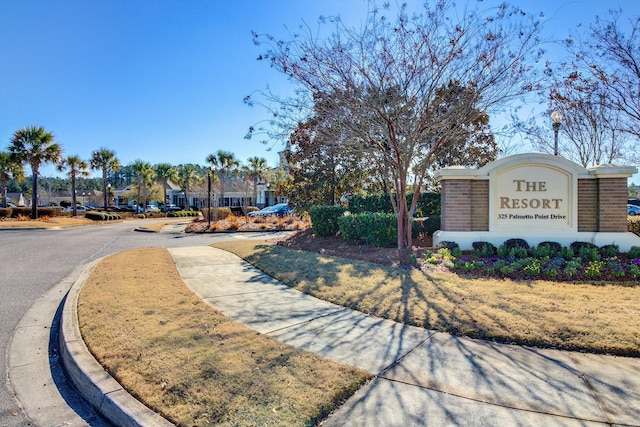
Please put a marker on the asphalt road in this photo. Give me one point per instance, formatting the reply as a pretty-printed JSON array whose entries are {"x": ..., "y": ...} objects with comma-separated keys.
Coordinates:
[{"x": 34, "y": 261}]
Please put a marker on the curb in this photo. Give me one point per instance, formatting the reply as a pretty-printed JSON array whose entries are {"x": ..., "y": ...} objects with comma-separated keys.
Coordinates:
[
  {"x": 95, "y": 384},
  {"x": 144, "y": 230}
]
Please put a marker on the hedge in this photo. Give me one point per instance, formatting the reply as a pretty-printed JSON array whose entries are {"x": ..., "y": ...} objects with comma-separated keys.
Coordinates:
[
  {"x": 428, "y": 204},
  {"x": 428, "y": 225},
  {"x": 376, "y": 229},
  {"x": 5, "y": 213},
  {"x": 22, "y": 211},
  {"x": 182, "y": 213},
  {"x": 102, "y": 216},
  {"x": 324, "y": 219}
]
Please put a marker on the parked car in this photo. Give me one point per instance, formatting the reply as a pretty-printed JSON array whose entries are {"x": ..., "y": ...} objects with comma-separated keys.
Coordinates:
[
  {"x": 633, "y": 210},
  {"x": 281, "y": 209},
  {"x": 79, "y": 208},
  {"x": 122, "y": 208},
  {"x": 152, "y": 208},
  {"x": 170, "y": 207}
]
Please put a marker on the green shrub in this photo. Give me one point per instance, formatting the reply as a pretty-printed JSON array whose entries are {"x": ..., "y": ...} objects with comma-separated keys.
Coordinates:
[
  {"x": 380, "y": 229},
  {"x": 634, "y": 252},
  {"x": 95, "y": 216},
  {"x": 513, "y": 243},
  {"x": 448, "y": 245},
  {"x": 483, "y": 249},
  {"x": 376, "y": 229},
  {"x": 102, "y": 216},
  {"x": 589, "y": 254},
  {"x": 555, "y": 246},
  {"x": 572, "y": 267},
  {"x": 349, "y": 227},
  {"x": 430, "y": 225},
  {"x": 516, "y": 251},
  {"x": 182, "y": 214},
  {"x": 324, "y": 219},
  {"x": 576, "y": 246},
  {"x": 546, "y": 250},
  {"x": 428, "y": 204},
  {"x": 371, "y": 203},
  {"x": 609, "y": 251},
  {"x": 5, "y": 213},
  {"x": 567, "y": 253}
]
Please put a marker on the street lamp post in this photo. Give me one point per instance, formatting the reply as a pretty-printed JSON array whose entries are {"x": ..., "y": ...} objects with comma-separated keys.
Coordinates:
[
  {"x": 209, "y": 200},
  {"x": 556, "y": 119}
]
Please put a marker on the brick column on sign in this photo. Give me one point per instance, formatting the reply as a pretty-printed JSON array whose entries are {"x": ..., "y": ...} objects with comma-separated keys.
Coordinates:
[
  {"x": 587, "y": 205},
  {"x": 456, "y": 205},
  {"x": 480, "y": 205},
  {"x": 612, "y": 211}
]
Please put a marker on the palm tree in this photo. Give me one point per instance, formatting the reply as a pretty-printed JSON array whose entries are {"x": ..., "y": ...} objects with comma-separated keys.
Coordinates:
[
  {"x": 187, "y": 175},
  {"x": 145, "y": 174},
  {"x": 77, "y": 168},
  {"x": 165, "y": 173},
  {"x": 225, "y": 163},
  {"x": 148, "y": 179},
  {"x": 9, "y": 168},
  {"x": 105, "y": 160},
  {"x": 256, "y": 169},
  {"x": 34, "y": 145}
]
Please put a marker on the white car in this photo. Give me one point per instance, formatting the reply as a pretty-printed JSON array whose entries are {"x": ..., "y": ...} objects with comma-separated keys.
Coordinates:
[
  {"x": 152, "y": 208},
  {"x": 79, "y": 208}
]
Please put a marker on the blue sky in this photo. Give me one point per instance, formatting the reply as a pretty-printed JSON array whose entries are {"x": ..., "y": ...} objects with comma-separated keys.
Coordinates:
[{"x": 163, "y": 80}]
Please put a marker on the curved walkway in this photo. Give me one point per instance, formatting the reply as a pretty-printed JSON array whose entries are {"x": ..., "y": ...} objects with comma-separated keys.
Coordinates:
[{"x": 422, "y": 377}]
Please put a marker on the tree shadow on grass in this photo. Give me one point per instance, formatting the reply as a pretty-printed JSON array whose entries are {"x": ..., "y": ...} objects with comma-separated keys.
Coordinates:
[{"x": 445, "y": 373}]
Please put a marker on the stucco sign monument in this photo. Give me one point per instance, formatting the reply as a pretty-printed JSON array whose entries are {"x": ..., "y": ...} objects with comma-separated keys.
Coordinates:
[{"x": 536, "y": 197}]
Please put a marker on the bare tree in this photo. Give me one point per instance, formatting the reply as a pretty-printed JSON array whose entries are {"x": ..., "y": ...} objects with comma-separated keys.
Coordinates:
[
  {"x": 382, "y": 83},
  {"x": 591, "y": 130},
  {"x": 611, "y": 56}
]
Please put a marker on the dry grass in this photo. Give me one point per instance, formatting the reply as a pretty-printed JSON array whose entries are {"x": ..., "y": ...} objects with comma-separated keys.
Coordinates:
[
  {"x": 240, "y": 223},
  {"x": 48, "y": 222},
  {"x": 602, "y": 318},
  {"x": 190, "y": 363}
]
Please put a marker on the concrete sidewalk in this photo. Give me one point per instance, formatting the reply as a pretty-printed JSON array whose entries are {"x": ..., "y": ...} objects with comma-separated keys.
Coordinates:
[{"x": 423, "y": 378}]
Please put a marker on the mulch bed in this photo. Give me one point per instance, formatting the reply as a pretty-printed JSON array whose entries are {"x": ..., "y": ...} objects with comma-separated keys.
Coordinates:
[{"x": 306, "y": 240}]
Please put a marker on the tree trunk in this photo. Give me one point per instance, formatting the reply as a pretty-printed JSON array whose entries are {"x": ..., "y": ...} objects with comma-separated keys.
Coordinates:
[
  {"x": 74, "y": 208},
  {"x": 164, "y": 194},
  {"x": 104, "y": 187},
  {"x": 34, "y": 193},
  {"x": 255, "y": 192},
  {"x": 4, "y": 195},
  {"x": 404, "y": 230}
]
